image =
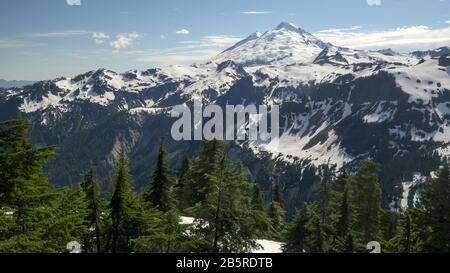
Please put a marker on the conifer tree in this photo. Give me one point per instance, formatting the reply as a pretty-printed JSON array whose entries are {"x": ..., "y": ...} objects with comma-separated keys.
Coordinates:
[
  {"x": 183, "y": 189},
  {"x": 436, "y": 204},
  {"x": 95, "y": 205},
  {"x": 122, "y": 206},
  {"x": 297, "y": 233},
  {"x": 223, "y": 199},
  {"x": 258, "y": 202},
  {"x": 160, "y": 193},
  {"x": 261, "y": 222},
  {"x": 367, "y": 198},
  {"x": 325, "y": 194}
]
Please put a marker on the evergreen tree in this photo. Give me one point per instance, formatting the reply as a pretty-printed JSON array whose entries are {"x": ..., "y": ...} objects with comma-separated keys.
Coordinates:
[
  {"x": 122, "y": 206},
  {"x": 183, "y": 190},
  {"x": 261, "y": 222},
  {"x": 33, "y": 217},
  {"x": 258, "y": 202},
  {"x": 160, "y": 193},
  {"x": 367, "y": 199},
  {"x": 223, "y": 199},
  {"x": 316, "y": 241},
  {"x": 278, "y": 196},
  {"x": 204, "y": 167},
  {"x": 436, "y": 204},
  {"x": 95, "y": 205},
  {"x": 277, "y": 215},
  {"x": 297, "y": 233},
  {"x": 325, "y": 194}
]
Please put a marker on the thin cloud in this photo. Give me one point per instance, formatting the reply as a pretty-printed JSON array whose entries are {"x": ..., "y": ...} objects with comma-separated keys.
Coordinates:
[
  {"x": 14, "y": 43},
  {"x": 189, "y": 51},
  {"x": 403, "y": 39},
  {"x": 60, "y": 34},
  {"x": 182, "y": 31},
  {"x": 255, "y": 12}
]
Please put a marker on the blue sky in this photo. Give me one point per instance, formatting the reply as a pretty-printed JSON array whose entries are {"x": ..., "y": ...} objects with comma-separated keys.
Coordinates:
[{"x": 42, "y": 39}]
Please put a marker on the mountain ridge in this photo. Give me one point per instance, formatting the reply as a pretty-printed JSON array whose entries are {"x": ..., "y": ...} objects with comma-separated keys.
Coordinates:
[{"x": 338, "y": 105}]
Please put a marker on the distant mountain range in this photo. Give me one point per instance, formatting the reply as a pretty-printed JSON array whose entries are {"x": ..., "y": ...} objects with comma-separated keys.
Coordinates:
[
  {"x": 338, "y": 105},
  {"x": 11, "y": 84}
]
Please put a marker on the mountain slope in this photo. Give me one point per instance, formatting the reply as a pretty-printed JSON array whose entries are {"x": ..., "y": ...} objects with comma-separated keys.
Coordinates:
[{"x": 338, "y": 105}]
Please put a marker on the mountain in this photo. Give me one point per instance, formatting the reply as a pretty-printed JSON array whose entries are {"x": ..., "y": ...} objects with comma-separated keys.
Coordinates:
[
  {"x": 12, "y": 84},
  {"x": 338, "y": 105}
]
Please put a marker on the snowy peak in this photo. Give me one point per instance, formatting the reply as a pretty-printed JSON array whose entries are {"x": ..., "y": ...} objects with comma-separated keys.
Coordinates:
[
  {"x": 252, "y": 37},
  {"x": 285, "y": 44},
  {"x": 289, "y": 27}
]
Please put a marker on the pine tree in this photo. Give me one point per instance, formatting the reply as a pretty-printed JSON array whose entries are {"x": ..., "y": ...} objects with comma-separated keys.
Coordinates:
[
  {"x": 183, "y": 190},
  {"x": 160, "y": 193},
  {"x": 436, "y": 204},
  {"x": 37, "y": 218},
  {"x": 122, "y": 206},
  {"x": 261, "y": 222},
  {"x": 316, "y": 241},
  {"x": 367, "y": 199},
  {"x": 278, "y": 195},
  {"x": 222, "y": 200},
  {"x": 277, "y": 215},
  {"x": 325, "y": 194},
  {"x": 297, "y": 233},
  {"x": 258, "y": 202},
  {"x": 205, "y": 166},
  {"x": 91, "y": 188}
]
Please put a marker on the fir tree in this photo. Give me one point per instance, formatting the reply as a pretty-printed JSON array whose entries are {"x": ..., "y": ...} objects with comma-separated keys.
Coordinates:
[
  {"x": 258, "y": 202},
  {"x": 122, "y": 205},
  {"x": 325, "y": 194},
  {"x": 367, "y": 198},
  {"x": 436, "y": 204},
  {"x": 297, "y": 233},
  {"x": 160, "y": 193},
  {"x": 183, "y": 190},
  {"x": 91, "y": 188}
]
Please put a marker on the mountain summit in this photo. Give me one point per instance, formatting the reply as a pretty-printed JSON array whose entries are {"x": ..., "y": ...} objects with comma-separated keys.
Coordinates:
[
  {"x": 337, "y": 105},
  {"x": 286, "y": 44}
]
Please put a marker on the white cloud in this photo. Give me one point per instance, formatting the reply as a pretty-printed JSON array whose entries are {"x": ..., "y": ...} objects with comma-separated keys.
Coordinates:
[
  {"x": 100, "y": 37},
  {"x": 252, "y": 12},
  {"x": 403, "y": 39},
  {"x": 73, "y": 2},
  {"x": 447, "y": 22},
  {"x": 374, "y": 2},
  {"x": 182, "y": 31},
  {"x": 124, "y": 40}
]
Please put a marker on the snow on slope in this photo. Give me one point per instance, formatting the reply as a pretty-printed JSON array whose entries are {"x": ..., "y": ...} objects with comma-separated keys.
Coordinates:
[
  {"x": 285, "y": 57},
  {"x": 266, "y": 246}
]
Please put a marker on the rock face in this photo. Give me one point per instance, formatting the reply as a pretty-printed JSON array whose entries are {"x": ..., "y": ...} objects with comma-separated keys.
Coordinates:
[{"x": 338, "y": 105}]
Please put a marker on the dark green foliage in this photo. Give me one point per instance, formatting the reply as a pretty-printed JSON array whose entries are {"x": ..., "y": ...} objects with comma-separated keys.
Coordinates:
[
  {"x": 436, "y": 204},
  {"x": 160, "y": 193},
  {"x": 93, "y": 241},
  {"x": 122, "y": 207},
  {"x": 297, "y": 233}
]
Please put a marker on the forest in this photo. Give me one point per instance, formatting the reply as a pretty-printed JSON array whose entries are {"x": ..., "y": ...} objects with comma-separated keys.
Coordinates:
[{"x": 231, "y": 212}]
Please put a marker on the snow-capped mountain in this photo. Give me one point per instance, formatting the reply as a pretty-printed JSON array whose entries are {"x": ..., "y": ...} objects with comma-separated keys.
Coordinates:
[{"x": 338, "y": 104}]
